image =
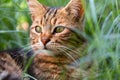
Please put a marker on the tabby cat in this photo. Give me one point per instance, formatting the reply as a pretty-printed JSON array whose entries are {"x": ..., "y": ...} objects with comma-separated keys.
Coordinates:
[
  {"x": 9, "y": 69},
  {"x": 54, "y": 42},
  {"x": 56, "y": 46}
]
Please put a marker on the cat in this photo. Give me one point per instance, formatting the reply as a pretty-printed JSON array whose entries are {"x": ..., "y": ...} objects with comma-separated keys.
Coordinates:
[
  {"x": 55, "y": 43},
  {"x": 56, "y": 47},
  {"x": 10, "y": 68}
]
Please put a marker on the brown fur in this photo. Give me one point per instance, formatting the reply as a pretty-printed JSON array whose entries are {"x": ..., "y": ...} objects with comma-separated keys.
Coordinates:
[
  {"x": 56, "y": 65},
  {"x": 9, "y": 70}
]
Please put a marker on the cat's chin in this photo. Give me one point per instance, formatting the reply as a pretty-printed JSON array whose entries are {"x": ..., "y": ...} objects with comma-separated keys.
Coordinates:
[{"x": 45, "y": 52}]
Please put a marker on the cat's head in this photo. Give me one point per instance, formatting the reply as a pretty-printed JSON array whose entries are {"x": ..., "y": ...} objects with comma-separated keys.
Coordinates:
[{"x": 51, "y": 27}]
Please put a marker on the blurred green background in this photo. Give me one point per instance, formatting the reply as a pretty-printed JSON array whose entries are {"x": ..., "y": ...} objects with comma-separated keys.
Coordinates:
[
  {"x": 102, "y": 30},
  {"x": 15, "y": 20}
]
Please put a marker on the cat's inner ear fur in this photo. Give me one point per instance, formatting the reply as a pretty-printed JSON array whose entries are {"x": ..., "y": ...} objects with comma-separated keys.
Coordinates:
[
  {"x": 75, "y": 9},
  {"x": 36, "y": 8}
]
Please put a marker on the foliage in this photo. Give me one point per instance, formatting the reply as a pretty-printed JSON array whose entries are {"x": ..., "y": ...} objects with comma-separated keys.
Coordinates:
[
  {"x": 12, "y": 13},
  {"x": 102, "y": 30}
]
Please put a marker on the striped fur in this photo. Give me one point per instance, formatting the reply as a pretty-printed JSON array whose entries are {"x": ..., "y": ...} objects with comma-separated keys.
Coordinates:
[{"x": 55, "y": 51}]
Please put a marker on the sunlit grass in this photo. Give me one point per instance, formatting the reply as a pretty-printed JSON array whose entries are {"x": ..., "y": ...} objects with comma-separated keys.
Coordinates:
[{"x": 103, "y": 26}]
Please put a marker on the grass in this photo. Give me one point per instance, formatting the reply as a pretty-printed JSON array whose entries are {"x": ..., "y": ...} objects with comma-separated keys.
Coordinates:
[{"x": 102, "y": 30}]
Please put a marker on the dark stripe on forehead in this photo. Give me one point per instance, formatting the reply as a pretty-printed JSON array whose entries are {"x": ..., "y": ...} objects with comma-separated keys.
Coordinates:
[
  {"x": 43, "y": 19},
  {"x": 50, "y": 14},
  {"x": 53, "y": 14},
  {"x": 46, "y": 13},
  {"x": 55, "y": 11}
]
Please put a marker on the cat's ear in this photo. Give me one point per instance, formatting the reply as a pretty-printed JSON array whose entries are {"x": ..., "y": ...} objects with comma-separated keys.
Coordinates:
[
  {"x": 74, "y": 8},
  {"x": 36, "y": 8}
]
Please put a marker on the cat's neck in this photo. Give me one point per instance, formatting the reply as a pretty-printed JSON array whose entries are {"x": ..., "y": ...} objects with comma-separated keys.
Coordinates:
[
  {"x": 60, "y": 59},
  {"x": 50, "y": 67}
]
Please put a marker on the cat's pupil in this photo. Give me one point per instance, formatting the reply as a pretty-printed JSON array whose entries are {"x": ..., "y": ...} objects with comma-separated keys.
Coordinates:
[
  {"x": 59, "y": 29},
  {"x": 38, "y": 29}
]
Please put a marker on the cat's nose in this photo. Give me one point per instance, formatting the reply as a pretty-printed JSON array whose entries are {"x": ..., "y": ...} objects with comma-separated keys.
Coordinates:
[{"x": 45, "y": 40}]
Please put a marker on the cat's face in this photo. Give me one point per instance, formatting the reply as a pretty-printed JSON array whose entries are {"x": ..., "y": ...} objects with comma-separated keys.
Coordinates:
[{"x": 51, "y": 27}]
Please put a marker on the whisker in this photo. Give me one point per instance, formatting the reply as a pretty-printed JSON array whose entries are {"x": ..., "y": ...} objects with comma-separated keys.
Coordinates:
[
  {"x": 68, "y": 55},
  {"x": 29, "y": 46},
  {"x": 76, "y": 52}
]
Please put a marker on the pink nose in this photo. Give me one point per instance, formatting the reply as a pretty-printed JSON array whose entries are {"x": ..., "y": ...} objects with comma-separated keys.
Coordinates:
[{"x": 45, "y": 40}]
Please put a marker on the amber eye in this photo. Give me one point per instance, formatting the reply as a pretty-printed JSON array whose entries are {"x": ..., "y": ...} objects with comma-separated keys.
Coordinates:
[
  {"x": 38, "y": 29},
  {"x": 59, "y": 29}
]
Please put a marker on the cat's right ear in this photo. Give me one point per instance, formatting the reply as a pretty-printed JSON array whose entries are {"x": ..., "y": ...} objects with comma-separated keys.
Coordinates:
[
  {"x": 75, "y": 9},
  {"x": 36, "y": 8}
]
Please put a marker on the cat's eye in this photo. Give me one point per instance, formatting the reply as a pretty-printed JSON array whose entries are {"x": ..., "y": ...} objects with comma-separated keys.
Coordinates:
[
  {"x": 59, "y": 29},
  {"x": 38, "y": 29}
]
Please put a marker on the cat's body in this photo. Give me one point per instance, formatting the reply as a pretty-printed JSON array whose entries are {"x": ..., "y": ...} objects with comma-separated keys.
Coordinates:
[
  {"x": 10, "y": 68},
  {"x": 56, "y": 46},
  {"x": 56, "y": 68}
]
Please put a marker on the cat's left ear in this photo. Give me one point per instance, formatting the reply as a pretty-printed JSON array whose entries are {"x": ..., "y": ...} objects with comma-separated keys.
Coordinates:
[
  {"x": 36, "y": 8},
  {"x": 74, "y": 8}
]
